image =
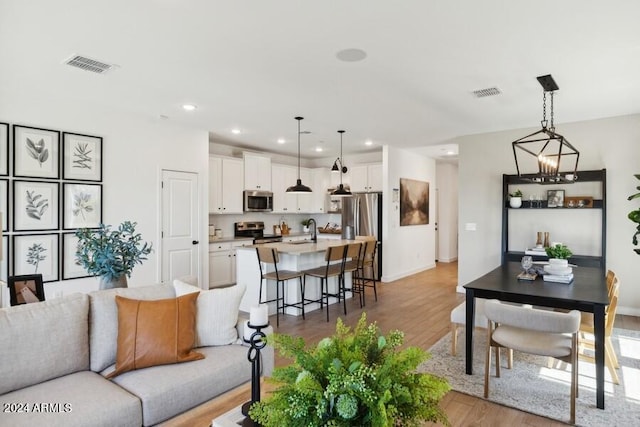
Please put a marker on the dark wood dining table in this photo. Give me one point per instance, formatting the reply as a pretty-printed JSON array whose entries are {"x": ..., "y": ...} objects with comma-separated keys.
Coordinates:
[{"x": 587, "y": 292}]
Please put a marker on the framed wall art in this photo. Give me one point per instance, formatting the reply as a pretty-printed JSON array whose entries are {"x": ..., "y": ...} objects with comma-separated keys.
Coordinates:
[
  {"x": 82, "y": 157},
  {"x": 555, "y": 198},
  {"x": 4, "y": 149},
  {"x": 36, "y": 152},
  {"x": 4, "y": 264},
  {"x": 71, "y": 269},
  {"x": 4, "y": 203},
  {"x": 26, "y": 289},
  {"x": 82, "y": 206},
  {"x": 414, "y": 202},
  {"x": 36, "y": 254},
  {"x": 35, "y": 205}
]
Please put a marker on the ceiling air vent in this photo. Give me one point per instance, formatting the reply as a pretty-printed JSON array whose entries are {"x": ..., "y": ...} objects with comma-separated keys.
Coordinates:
[
  {"x": 89, "y": 64},
  {"x": 490, "y": 91}
]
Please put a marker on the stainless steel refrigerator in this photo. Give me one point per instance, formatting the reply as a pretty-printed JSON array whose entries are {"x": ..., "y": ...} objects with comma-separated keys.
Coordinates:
[{"x": 362, "y": 216}]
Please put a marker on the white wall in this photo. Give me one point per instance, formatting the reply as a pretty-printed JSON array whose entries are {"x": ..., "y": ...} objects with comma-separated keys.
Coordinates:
[
  {"x": 612, "y": 143},
  {"x": 135, "y": 149},
  {"x": 409, "y": 249},
  {"x": 447, "y": 205}
]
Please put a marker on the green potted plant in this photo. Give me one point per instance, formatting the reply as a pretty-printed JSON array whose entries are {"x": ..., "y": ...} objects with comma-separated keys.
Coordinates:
[
  {"x": 635, "y": 217},
  {"x": 111, "y": 254},
  {"x": 305, "y": 225},
  {"x": 558, "y": 255},
  {"x": 354, "y": 378},
  {"x": 515, "y": 199}
]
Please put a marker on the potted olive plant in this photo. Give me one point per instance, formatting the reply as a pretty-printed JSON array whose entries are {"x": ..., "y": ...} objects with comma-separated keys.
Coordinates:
[
  {"x": 111, "y": 254},
  {"x": 635, "y": 217},
  {"x": 354, "y": 378}
]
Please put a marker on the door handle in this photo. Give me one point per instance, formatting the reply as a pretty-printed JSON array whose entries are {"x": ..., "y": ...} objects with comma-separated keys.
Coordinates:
[{"x": 195, "y": 242}]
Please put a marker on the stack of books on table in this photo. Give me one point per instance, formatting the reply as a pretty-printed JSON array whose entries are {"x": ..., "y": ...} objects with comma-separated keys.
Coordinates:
[
  {"x": 564, "y": 278},
  {"x": 535, "y": 251}
]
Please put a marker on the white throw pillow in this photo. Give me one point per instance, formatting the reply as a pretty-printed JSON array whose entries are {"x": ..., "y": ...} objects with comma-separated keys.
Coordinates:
[{"x": 217, "y": 313}]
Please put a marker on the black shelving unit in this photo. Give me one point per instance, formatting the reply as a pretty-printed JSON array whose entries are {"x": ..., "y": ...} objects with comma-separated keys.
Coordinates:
[{"x": 583, "y": 176}]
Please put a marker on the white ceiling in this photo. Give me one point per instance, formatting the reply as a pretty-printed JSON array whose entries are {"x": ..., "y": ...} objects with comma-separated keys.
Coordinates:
[{"x": 254, "y": 65}]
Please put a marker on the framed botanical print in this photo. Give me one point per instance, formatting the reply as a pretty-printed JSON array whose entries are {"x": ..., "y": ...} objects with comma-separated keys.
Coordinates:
[
  {"x": 35, "y": 205},
  {"x": 82, "y": 205},
  {"x": 82, "y": 157},
  {"x": 36, "y": 254},
  {"x": 4, "y": 149},
  {"x": 36, "y": 152},
  {"x": 4, "y": 264},
  {"x": 71, "y": 269},
  {"x": 4, "y": 203},
  {"x": 26, "y": 289}
]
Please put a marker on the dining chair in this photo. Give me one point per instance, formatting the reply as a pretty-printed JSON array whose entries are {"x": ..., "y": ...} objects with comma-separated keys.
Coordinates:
[
  {"x": 352, "y": 256},
  {"x": 533, "y": 331},
  {"x": 459, "y": 319},
  {"x": 334, "y": 267},
  {"x": 269, "y": 256},
  {"x": 366, "y": 272}
]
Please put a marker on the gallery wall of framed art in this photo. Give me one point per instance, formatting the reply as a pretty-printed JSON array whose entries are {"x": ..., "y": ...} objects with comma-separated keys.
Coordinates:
[{"x": 50, "y": 186}]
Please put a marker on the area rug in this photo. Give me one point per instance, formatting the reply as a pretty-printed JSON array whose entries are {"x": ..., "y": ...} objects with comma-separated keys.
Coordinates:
[{"x": 531, "y": 386}]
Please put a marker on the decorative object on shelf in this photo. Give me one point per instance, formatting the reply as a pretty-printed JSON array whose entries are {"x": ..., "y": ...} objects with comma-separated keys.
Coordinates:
[
  {"x": 82, "y": 205},
  {"x": 546, "y": 147},
  {"x": 555, "y": 198},
  {"x": 546, "y": 240},
  {"x": 111, "y": 254},
  {"x": 414, "y": 202},
  {"x": 258, "y": 320},
  {"x": 36, "y": 152},
  {"x": 82, "y": 157},
  {"x": 36, "y": 254},
  {"x": 25, "y": 289},
  {"x": 539, "y": 239},
  {"x": 515, "y": 199},
  {"x": 578, "y": 202},
  {"x": 354, "y": 378},
  {"x": 341, "y": 191},
  {"x": 35, "y": 205},
  {"x": 635, "y": 217},
  {"x": 299, "y": 187}
]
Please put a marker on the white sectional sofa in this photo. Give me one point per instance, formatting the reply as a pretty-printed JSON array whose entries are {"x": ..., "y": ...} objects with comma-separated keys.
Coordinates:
[{"x": 54, "y": 357}]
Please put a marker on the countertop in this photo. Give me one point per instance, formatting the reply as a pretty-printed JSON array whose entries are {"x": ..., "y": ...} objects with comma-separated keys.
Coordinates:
[
  {"x": 304, "y": 247},
  {"x": 243, "y": 239}
]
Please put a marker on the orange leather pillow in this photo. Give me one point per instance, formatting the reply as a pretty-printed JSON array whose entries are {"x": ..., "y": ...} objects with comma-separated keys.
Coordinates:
[{"x": 156, "y": 332}]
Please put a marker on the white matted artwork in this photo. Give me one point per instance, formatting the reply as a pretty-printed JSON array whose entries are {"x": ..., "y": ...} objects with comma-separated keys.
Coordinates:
[
  {"x": 36, "y": 152},
  {"x": 4, "y": 203},
  {"x": 35, "y": 205},
  {"x": 71, "y": 269},
  {"x": 4, "y": 149},
  {"x": 4, "y": 264},
  {"x": 82, "y": 157},
  {"x": 82, "y": 205},
  {"x": 36, "y": 254}
]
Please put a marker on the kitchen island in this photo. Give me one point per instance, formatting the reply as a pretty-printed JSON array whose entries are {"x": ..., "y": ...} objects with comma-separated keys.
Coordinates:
[{"x": 299, "y": 255}]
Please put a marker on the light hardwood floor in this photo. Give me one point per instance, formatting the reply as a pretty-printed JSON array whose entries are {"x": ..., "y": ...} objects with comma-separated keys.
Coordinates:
[{"x": 420, "y": 306}]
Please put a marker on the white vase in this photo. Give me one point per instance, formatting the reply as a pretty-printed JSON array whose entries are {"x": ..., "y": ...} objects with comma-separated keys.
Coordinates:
[
  {"x": 305, "y": 229},
  {"x": 515, "y": 202},
  {"x": 120, "y": 282},
  {"x": 557, "y": 262}
]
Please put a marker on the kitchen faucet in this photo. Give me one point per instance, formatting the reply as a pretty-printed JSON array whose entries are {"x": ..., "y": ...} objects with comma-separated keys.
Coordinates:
[{"x": 314, "y": 233}]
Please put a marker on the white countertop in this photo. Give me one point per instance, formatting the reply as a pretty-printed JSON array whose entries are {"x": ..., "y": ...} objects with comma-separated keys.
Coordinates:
[{"x": 304, "y": 246}]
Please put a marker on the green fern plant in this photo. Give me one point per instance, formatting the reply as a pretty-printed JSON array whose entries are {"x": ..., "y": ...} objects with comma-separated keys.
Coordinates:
[
  {"x": 635, "y": 217},
  {"x": 354, "y": 378}
]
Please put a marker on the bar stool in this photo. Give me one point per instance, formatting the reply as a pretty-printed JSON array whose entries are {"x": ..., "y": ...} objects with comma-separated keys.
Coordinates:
[
  {"x": 270, "y": 256},
  {"x": 367, "y": 263},
  {"x": 334, "y": 267},
  {"x": 353, "y": 256}
]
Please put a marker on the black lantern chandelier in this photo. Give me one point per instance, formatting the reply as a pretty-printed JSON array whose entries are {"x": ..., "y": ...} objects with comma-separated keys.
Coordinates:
[
  {"x": 299, "y": 187},
  {"x": 340, "y": 191},
  {"x": 548, "y": 149}
]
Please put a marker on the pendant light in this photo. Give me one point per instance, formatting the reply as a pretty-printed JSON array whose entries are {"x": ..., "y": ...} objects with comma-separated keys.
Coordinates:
[
  {"x": 546, "y": 147},
  {"x": 340, "y": 191},
  {"x": 299, "y": 187}
]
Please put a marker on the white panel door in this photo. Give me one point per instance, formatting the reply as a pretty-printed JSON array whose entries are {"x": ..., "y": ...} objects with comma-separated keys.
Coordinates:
[{"x": 179, "y": 225}]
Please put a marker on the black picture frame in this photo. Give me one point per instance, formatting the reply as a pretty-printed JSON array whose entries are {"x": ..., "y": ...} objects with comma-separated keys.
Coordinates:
[
  {"x": 70, "y": 268},
  {"x": 4, "y": 149},
  {"x": 36, "y": 254},
  {"x": 34, "y": 147},
  {"x": 81, "y": 157},
  {"x": 555, "y": 198},
  {"x": 25, "y": 289},
  {"x": 5, "y": 262},
  {"x": 38, "y": 210},
  {"x": 4, "y": 204},
  {"x": 76, "y": 200}
]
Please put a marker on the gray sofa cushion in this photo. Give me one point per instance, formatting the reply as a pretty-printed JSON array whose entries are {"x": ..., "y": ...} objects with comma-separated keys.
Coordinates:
[
  {"x": 80, "y": 399},
  {"x": 43, "y": 340},
  {"x": 168, "y": 390},
  {"x": 103, "y": 318}
]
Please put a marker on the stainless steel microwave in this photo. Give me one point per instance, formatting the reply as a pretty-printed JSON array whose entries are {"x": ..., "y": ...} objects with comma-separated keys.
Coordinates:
[{"x": 258, "y": 201}]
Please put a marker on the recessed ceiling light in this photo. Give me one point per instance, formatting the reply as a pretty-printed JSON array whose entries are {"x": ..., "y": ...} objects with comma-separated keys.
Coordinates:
[
  {"x": 189, "y": 107},
  {"x": 450, "y": 153},
  {"x": 281, "y": 141},
  {"x": 368, "y": 142},
  {"x": 351, "y": 55},
  {"x": 235, "y": 131},
  {"x": 319, "y": 149}
]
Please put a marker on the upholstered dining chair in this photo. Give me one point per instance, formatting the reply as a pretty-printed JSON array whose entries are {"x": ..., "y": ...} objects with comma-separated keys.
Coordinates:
[{"x": 533, "y": 331}]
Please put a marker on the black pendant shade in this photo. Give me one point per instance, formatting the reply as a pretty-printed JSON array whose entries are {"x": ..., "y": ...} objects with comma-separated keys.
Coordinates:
[
  {"x": 299, "y": 187},
  {"x": 340, "y": 191}
]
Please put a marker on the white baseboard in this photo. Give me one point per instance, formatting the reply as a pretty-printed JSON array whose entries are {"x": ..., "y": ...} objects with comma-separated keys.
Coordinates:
[
  {"x": 628, "y": 311},
  {"x": 385, "y": 279},
  {"x": 454, "y": 259}
]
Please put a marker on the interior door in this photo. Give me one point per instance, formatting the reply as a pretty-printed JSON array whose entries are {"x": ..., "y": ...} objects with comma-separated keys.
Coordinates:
[{"x": 180, "y": 219}]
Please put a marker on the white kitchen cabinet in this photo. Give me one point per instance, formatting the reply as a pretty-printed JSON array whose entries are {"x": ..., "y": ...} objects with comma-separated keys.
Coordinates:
[
  {"x": 365, "y": 178},
  {"x": 284, "y": 176},
  {"x": 225, "y": 185},
  {"x": 222, "y": 262},
  {"x": 321, "y": 181},
  {"x": 257, "y": 172}
]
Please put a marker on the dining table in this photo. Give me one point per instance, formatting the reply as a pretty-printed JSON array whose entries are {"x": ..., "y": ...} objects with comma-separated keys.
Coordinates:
[{"x": 587, "y": 293}]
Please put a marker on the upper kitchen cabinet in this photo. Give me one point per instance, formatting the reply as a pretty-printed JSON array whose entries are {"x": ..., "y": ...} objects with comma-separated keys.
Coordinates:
[
  {"x": 285, "y": 176},
  {"x": 320, "y": 184},
  {"x": 365, "y": 178},
  {"x": 257, "y": 172},
  {"x": 225, "y": 185}
]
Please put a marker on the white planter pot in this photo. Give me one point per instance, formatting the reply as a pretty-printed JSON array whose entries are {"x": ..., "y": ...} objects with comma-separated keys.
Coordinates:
[
  {"x": 556, "y": 262},
  {"x": 515, "y": 202}
]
